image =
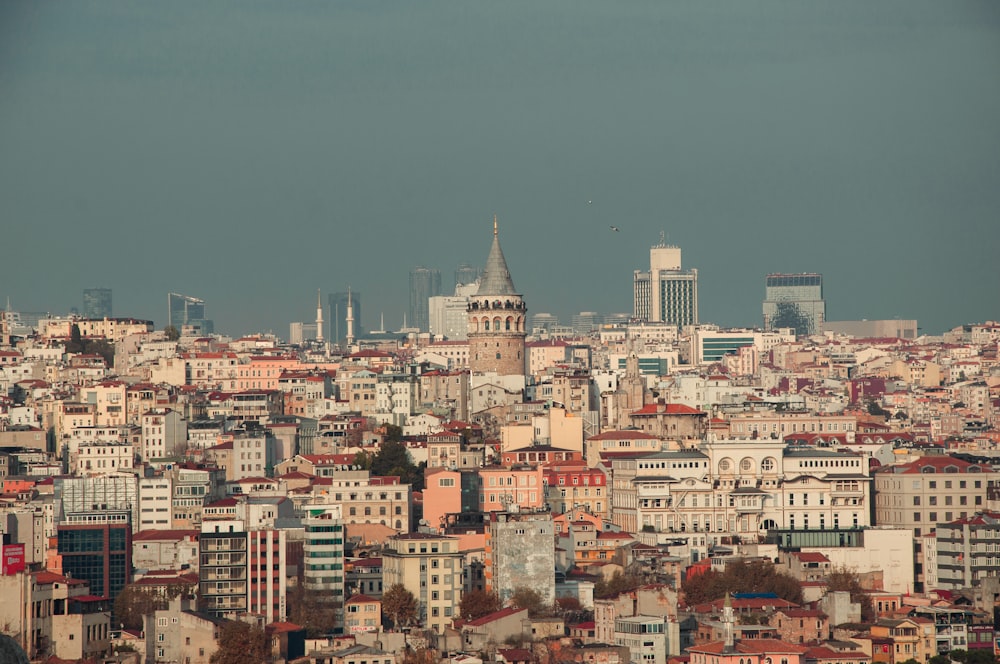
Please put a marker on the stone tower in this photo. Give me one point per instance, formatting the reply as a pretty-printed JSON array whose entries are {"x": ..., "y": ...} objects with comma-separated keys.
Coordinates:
[{"x": 496, "y": 319}]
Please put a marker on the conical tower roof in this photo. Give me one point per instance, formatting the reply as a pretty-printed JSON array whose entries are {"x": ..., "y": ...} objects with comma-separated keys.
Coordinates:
[{"x": 496, "y": 277}]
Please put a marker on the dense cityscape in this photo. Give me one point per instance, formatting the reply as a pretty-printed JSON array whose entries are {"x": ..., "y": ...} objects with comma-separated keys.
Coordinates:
[{"x": 492, "y": 484}]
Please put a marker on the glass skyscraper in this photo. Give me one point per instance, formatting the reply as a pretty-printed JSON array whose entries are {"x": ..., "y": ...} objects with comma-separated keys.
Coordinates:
[
  {"x": 425, "y": 283},
  {"x": 794, "y": 300},
  {"x": 97, "y": 303}
]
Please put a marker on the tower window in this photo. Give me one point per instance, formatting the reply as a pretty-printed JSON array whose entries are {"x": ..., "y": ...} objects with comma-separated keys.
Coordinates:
[{"x": 498, "y": 356}]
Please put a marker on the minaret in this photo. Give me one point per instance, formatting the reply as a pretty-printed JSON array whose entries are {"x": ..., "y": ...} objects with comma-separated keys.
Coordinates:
[
  {"x": 496, "y": 316},
  {"x": 350, "y": 318},
  {"x": 319, "y": 316}
]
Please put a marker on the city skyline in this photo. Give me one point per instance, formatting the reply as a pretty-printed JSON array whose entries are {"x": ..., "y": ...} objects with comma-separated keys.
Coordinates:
[{"x": 779, "y": 138}]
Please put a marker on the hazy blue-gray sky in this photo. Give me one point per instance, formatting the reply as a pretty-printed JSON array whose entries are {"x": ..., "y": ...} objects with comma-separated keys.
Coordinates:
[{"x": 251, "y": 152}]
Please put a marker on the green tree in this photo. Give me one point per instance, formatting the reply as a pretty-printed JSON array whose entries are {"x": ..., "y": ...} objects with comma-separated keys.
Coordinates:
[
  {"x": 875, "y": 409},
  {"x": 479, "y": 603},
  {"x": 241, "y": 643},
  {"x": 173, "y": 334},
  {"x": 75, "y": 339},
  {"x": 399, "y": 606},
  {"x": 939, "y": 659}
]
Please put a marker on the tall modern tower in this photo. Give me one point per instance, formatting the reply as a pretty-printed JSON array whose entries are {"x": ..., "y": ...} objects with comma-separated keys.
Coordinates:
[
  {"x": 338, "y": 314},
  {"x": 425, "y": 283},
  {"x": 466, "y": 274},
  {"x": 666, "y": 293},
  {"x": 496, "y": 319},
  {"x": 794, "y": 300},
  {"x": 186, "y": 310},
  {"x": 97, "y": 303}
]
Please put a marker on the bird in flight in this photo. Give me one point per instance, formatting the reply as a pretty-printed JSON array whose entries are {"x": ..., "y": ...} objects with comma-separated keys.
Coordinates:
[{"x": 615, "y": 229}]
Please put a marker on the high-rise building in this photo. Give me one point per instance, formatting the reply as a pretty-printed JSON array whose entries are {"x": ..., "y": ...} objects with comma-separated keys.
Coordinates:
[
  {"x": 323, "y": 549},
  {"x": 97, "y": 303},
  {"x": 666, "y": 293},
  {"x": 338, "y": 315},
  {"x": 796, "y": 301},
  {"x": 96, "y": 546},
  {"x": 521, "y": 554},
  {"x": 496, "y": 319},
  {"x": 425, "y": 283},
  {"x": 448, "y": 312},
  {"x": 466, "y": 274},
  {"x": 184, "y": 310},
  {"x": 586, "y": 322},
  {"x": 543, "y": 321},
  {"x": 430, "y": 567},
  {"x": 299, "y": 333}
]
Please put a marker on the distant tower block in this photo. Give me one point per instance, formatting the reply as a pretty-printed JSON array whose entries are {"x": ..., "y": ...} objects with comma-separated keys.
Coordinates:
[
  {"x": 319, "y": 316},
  {"x": 496, "y": 319}
]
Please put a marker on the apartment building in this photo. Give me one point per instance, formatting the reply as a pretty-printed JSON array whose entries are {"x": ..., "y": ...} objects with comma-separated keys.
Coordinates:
[{"x": 430, "y": 567}]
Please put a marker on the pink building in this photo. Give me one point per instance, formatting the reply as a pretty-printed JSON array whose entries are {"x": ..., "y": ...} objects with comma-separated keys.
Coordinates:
[
  {"x": 500, "y": 487},
  {"x": 442, "y": 494}
]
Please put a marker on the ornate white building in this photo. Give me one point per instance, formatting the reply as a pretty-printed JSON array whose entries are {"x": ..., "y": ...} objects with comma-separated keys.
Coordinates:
[{"x": 742, "y": 488}]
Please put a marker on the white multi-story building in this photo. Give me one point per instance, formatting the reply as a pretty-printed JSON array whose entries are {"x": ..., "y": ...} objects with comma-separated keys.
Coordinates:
[
  {"x": 644, "y": 636},
  {"x": 449, "y": 313},
  {"x": 155, "y": 503},
  {"x": 740, "y": 487},
  {"x": 164, "y": 434},
  {"x": 102, "y": 458}
]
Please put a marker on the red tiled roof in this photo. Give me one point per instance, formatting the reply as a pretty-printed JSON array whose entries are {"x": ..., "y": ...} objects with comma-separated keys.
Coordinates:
[
  {"x": 811, "y": 556},
  {"x": 147, "y": 535},
  {"x": 755, "y": 646},
  {"x": 668, "y": 409},
  {"x": 496, "y": 615},
  {"x": 623, "y": 435},
  {"x": 361, "y": 599}
]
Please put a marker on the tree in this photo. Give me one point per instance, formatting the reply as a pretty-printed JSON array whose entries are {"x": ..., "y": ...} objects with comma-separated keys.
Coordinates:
[
  {"x": 742, "y": 576},
  {"x": 843, "y": 579},
  {"x": 75, "y": 339},
  {"x": 241, "y": 643},
  {"x": 134, "y": 602},
  {"x": 393, "y": 458},
  {"x": 173, "y": 334},
  {"x": 530, "y": 599},
  {"x": 939, "y": 659},
  {"x": 875, "y": 409},
  {"x": 399, "y": 606},
  {"x": 308, "y": 609},
  {"x": 420, "y": 656},
  {"x": 616, "y": 585},
  {"x": 479, "y": 603}
]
